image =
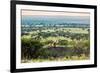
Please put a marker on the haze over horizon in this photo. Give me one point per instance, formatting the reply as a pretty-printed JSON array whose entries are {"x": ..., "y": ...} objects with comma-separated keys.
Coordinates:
[{"x": 54, "y": 17}]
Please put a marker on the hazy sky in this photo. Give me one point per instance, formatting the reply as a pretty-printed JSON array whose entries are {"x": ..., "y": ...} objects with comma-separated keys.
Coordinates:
[{"x": 52, "y": 13}]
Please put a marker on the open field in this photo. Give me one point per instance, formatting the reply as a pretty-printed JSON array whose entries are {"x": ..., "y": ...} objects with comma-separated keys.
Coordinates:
[{"x": 55, "y": 44}]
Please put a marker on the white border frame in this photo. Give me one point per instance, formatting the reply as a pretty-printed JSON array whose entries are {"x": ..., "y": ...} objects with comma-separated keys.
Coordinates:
[{"x": 20, "y": 65}]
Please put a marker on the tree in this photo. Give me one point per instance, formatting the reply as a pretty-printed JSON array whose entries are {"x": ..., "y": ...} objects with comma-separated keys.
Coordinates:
[
  {"x": 30, "y": 48},
  {"x": 63, "y": 42}
]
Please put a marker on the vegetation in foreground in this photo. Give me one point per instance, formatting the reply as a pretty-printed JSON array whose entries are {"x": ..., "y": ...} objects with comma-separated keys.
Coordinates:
[{"x": 41, "y": 44}]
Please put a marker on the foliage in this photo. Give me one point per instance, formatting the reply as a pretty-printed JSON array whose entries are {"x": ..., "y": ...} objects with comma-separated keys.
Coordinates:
[
  {"x": 55, "y": 43},
  {"x": 30, "y": 47}
]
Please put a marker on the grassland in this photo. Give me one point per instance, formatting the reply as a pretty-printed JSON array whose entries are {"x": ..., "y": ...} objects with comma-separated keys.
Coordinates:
[{"x": 42, "y": 44}]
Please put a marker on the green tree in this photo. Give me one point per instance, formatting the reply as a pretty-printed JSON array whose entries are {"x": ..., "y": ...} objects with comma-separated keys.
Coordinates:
[
  {"x": 63, "y": 42},
  {"x": 30, "y": 48}
]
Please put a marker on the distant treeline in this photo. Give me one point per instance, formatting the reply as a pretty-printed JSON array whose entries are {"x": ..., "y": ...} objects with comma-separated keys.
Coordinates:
[{"x": 69, "y": 25}]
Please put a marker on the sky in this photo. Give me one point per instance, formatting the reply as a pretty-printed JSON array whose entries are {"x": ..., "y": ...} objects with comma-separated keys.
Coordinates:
[{"x": 53, "y": 13}]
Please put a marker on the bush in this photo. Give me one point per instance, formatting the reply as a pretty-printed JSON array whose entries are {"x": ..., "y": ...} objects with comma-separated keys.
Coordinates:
[
  {"x": 63, "y": 42},
  {"x": 82, "y": 47},
  {"x": 30, "y": 48}
]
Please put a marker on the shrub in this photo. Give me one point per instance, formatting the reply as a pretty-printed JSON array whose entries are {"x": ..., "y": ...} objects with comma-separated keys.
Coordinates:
[
  {"x": 63, "y": 42},
  {"x": 30, "y": 48}
]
